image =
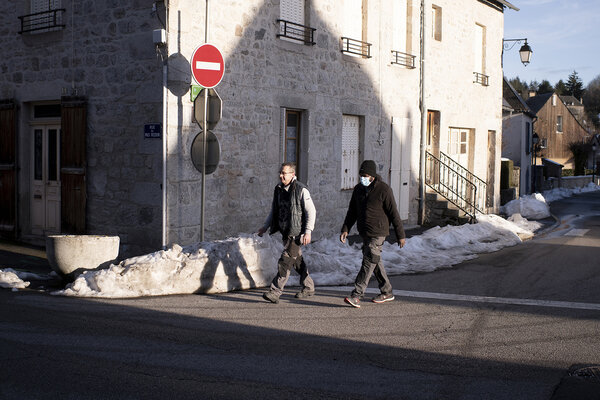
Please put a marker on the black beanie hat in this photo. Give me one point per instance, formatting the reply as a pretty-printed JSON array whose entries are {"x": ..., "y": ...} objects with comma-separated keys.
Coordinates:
[{"x": 368, "y": 167}]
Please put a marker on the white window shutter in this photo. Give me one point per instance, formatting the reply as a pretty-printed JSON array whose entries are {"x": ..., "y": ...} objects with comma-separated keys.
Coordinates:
[
  {"x": 478, "y": 49},
  {"x": 44, "y": 5},
  {"x": 292, "y": 11},
  {"x": 352, "y": 19},
  {"x": 399, "y": 26},
  {"x": 350, "y": 151}
]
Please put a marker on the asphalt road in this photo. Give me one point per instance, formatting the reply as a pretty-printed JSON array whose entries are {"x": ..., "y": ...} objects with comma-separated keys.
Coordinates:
[{"x": 521, "y": 323}]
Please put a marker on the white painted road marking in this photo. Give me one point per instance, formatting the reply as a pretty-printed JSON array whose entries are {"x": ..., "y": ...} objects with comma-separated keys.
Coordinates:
[
  {"x": 212, "y": 66},
  {"x": 478, "y": 299},
  {"x": 577, "y": 232}
]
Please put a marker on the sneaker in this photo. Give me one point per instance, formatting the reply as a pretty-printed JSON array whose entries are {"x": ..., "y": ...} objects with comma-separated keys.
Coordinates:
[
  {"x": 382, "y": 298},
  {"x": 270, "y": 296},
  {"x": 353, "y": 301},
  {"x": 304, "y": 293}
]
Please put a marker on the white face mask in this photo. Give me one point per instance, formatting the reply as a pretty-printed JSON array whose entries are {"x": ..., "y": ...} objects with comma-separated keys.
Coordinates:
[{"x": 365, "y": 180}]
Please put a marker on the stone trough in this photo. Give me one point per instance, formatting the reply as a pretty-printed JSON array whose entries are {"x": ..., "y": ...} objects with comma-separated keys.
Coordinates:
[{"x": 70, "y": 255}]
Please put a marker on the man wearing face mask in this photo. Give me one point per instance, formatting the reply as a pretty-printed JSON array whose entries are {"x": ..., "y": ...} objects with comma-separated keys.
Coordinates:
[
  {"x": 372, "y": 207},
  {"x": 293, "y": 214}
]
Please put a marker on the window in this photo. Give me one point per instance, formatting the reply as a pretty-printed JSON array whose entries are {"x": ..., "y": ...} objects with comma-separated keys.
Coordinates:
[
  {"x": 527, "y": 138},
  {"x": 45, "y": 16},
  {"x": 353, "y": 19},
  {"x": 479, "y": 49},
  {"x": 291, "y": 137},
  {"x": 559, "y": 124},
  {"x": 436, "y": 22},
  {"x": 350, "y": 150},
  {"x": 353, "y": 39},
  {"x": 458, "y": 141},
  {"x": 292, "y": 22},
  {"x": 401, "y": 34},
  {"x": 399, "y": 25}
]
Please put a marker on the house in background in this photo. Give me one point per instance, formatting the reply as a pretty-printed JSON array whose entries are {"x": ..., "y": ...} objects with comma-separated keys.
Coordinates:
[
  {"x": 557, "y": 127},
  {"x": 517, "y": 131},
  {"x": 97, "y": 118},
  {"x": 575, "y": 106}
]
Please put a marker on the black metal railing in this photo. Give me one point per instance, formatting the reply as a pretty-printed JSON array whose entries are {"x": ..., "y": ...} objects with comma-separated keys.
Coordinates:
[
  {"x": 353, "y": 46},
  {"x": 464, "y": 190},
  {"x": 400, "y": 58},
  {"x": 47, "y": 20},
  {"x": 482, "y": 79},
  {"x": 294, "y": 31}
]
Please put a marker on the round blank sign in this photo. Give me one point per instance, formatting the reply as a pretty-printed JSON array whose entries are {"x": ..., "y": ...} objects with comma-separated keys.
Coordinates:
[{"x": 213, "y": 152}]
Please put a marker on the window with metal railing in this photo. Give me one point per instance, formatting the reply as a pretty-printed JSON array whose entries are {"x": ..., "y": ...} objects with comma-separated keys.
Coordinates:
[
  {"x": 43, "y": 21},
  {"x": 405, "y": 59},
  {"x": 356, "y": 47},
  {"x": 481, "y": 79},
  {"x": 294, "y": 31}
]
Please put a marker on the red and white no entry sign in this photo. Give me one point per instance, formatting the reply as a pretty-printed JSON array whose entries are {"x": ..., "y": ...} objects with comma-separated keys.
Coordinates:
[{"x": 207, "y": 65}]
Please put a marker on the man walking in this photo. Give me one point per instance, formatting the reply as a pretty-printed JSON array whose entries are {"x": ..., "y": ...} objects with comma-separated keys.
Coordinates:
[
  {"x": 293, "y": 214},
  {"x": 373, "y": 207}
]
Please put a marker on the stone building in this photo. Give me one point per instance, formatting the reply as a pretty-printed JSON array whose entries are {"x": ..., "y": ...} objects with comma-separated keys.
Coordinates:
[{"x": 97, "y": 117}]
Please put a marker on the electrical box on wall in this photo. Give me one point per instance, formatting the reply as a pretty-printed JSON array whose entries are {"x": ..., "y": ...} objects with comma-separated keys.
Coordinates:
[{"x": 159, "y": 36}]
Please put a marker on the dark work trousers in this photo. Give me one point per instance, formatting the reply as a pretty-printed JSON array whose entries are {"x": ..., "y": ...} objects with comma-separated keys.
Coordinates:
[
  {"x": 371, "y": 263},
  {"x": 291, "y": 258}
]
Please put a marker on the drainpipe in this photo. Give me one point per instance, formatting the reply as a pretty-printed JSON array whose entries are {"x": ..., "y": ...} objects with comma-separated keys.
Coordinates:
[
  {"x": 423, "y": 110},
  {"x": 164, "y": 128}
]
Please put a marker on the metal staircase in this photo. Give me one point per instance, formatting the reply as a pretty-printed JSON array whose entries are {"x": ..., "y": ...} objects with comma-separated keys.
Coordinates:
[{"x": 456, "y": 184}]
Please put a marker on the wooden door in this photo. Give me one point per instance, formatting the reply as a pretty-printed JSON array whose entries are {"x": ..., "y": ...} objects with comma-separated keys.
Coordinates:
[
  {"x": 73, "y": 164},
  {"x": 8, "y": 169}
]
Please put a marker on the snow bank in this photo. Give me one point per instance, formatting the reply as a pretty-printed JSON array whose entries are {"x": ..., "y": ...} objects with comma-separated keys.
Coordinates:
[
  {"x": 531, "y": 206},
  {"x": 251, "y": 261},
  {"x": 208, "y": 267}
]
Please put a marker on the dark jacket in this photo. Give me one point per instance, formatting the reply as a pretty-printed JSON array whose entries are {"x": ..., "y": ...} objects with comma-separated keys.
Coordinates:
[
  {"x": 288, "y": 215},
  {"x": 373, "y": 208}
]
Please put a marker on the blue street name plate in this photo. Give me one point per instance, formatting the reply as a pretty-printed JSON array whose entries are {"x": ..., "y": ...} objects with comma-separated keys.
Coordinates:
[{"x": 152, "y": 130}]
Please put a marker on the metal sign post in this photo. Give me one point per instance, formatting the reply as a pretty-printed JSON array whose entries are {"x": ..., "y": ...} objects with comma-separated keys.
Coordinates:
[{"x": 207, "y": 69}]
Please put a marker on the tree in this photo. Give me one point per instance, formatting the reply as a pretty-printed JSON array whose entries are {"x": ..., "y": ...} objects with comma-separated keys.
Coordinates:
[
  {"x": 520, "y": 86},
  {"x": 560, "y": 88},
  {"x": 545, "y": 87},
  {"x": 591, "y": 101},
  {"x": 580, "y": 152},
  {"x": 575, "y": 85}
]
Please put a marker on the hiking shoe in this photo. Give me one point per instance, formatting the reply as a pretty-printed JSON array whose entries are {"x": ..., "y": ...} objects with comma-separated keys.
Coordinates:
[
  {"x": 382, "y": 298},
  {"x": 304, "y": 293},
  {"x": 270, "y": 296},
  {"x": 353, "y": 301}
]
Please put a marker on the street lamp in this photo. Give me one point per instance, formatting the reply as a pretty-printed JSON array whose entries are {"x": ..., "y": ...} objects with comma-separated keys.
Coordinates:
[
  {"x": 534, "y": 140},
  {"x": 524, "y": 52}
]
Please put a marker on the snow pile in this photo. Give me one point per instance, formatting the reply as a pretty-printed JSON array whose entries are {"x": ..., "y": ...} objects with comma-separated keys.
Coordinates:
[
  {"x": 9, "y": 278},
  {"x": 251, "y": 261},
  {"x": 561, "y": 193},
  {"x": 208, "y": 267},
  {"x": 535, "y": 206},
  {"x": 532, "y": 207}
]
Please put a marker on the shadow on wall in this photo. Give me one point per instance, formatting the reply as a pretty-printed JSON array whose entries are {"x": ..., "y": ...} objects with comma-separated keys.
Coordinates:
[{"x": 263, "y": 75}]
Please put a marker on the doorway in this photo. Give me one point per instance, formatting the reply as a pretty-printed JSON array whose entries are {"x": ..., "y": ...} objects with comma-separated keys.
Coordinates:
[{"x": 45, "y": 180}]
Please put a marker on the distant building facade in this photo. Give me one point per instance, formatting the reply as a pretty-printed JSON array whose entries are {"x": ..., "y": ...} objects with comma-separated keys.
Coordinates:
[
  {"x": 517, "y": 131},
  {"x": 556, "y": 127}
]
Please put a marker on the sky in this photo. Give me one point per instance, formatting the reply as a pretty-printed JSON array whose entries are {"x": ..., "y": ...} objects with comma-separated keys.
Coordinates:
[
  {"x": 178, "y": 270},
  {"x": 563, "y": 34}
]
